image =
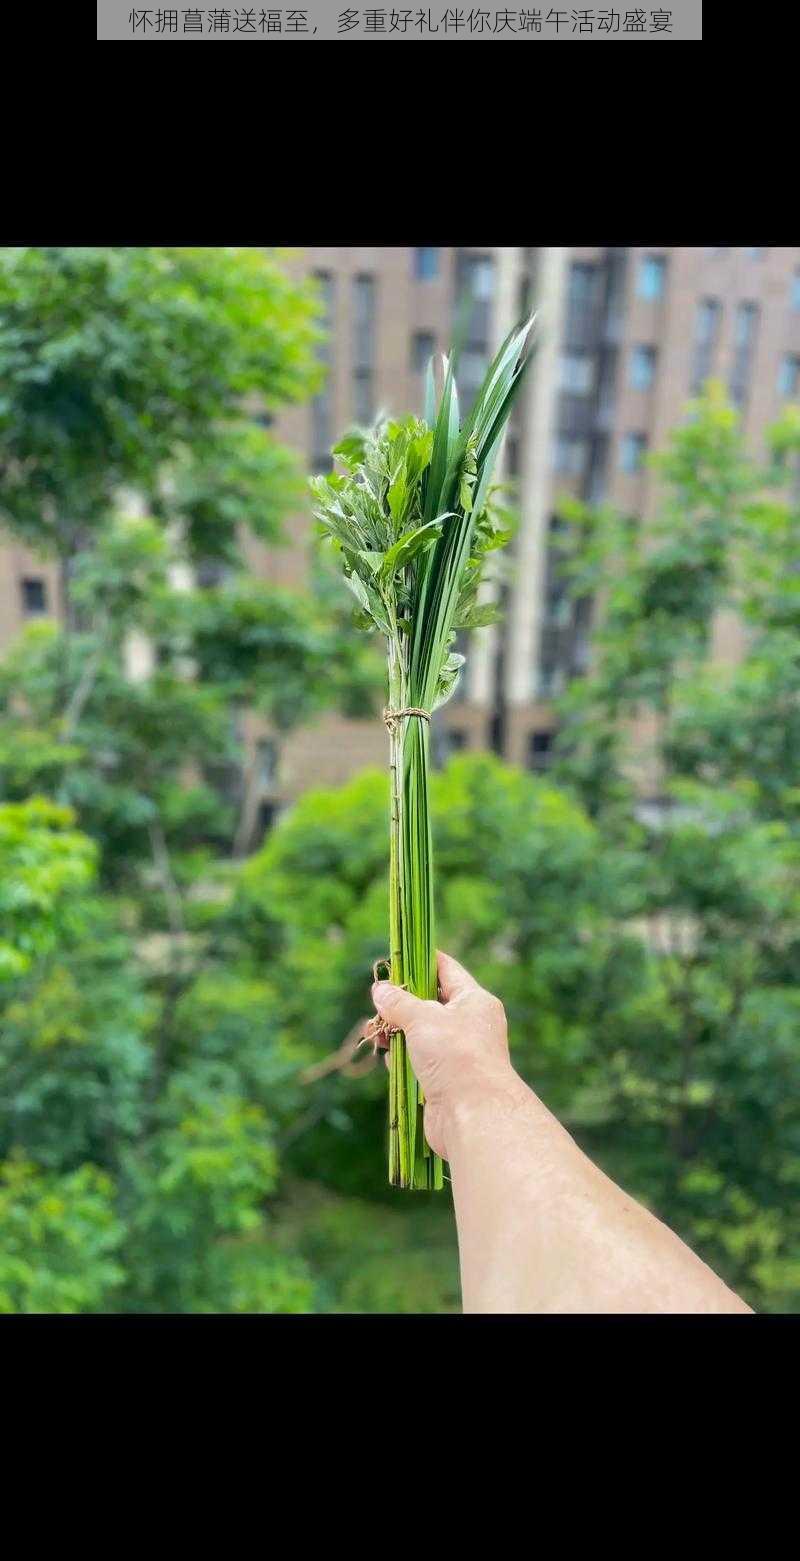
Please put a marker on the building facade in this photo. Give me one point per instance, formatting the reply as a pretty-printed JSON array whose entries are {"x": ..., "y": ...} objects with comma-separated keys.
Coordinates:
[{"x": 624, "y": 338}]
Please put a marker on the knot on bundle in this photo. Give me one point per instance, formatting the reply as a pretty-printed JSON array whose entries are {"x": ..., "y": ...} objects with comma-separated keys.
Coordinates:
[{"x": 392, "y": 717}]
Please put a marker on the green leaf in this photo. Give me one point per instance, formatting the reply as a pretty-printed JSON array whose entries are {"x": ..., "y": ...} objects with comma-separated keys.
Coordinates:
[
  {"x": 409, "y": 545},
  {"x": 359, "y": 590},
  {"x": 491, "y": 541},
  {"x": 350, "y": 448},
  {"x": 364, "y": 620},
  {"x": 419, "y": 454},
  {"x": 396, "y": 498},
  {"x": 478, "y": 616},
  {"x": 372, "y": 559},
  {"x": 448, "y": 678}
]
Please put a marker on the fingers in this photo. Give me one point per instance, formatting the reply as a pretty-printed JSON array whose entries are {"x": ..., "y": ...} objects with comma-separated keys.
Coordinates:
[
  {"x": 453, "y": 978},
  {"x": 401, "y": 1008}
]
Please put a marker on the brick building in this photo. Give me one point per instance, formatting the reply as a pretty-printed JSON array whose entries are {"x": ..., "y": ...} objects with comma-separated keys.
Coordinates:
[{"x": 625, "y": 337}]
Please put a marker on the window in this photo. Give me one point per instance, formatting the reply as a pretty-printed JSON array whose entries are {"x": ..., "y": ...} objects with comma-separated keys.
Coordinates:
[
  {"x": 789, "y": 375},
  {"x": 266, "y": 761},
  {"x": 616, "y": 267},
  {"x": 796, "y": 289},
  {"x": 426, "y": 264},
  {"x": 472, "y": 367},
  {"x": 556, "y": 601},
  {"x": 267, "y": 814},
  {"x": 584, "y": 283},
  {"x": 553, "y": 654},
  {"x": 363, "y": 346},
  {"x": 264, "y": 419},
  {"x": 746, "y": 317},
  {"x": 584, "y": 299},
  {"x": 598, "y": 461},
  {"x": 474, "y": 287},
  {"x": 706, "y": 324},
  {"x": 475, "y": 277},
  {"x": 581, "y": 641},
  {"x": 631, "y": 452},
  {"x": 423, "y": 346},
  {"x": 744, "y": 338},
  {"x": 321, "y": 418},
  {"x": 606, "y": 387},
  {"x": 480, "y": 276},
  {"x": 540, "y": 746},
  {"x": 706, "y": 332},
  {"x": 571, "y": 454},
  {"x": 363, "y": 321},
  {"x": 362, "y": 396},
  {"x": 324, "y": 282},
  {"x": 558, "y": 606},
  {"x": 650, "y": 281},
  {"x": 551, "y": 680},
  {"x": 34, "y": 596},
  {"x": 642, "y": 367},
  {"x": 576, "y": 373}
]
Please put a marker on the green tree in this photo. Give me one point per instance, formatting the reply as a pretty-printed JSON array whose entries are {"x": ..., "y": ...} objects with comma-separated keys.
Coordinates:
[
  {"x": 702, "y": 1077},
  {"x": 60, "y": 1240},
  {"x": 129, "y": 451},
  {"x": 524, "y": 880},
  {"x": 175, "y": 1134},
  {"x": 130, "y": 1177},
  {"x": 638, "y": 911},
  {"x": 132, "y": 368}
]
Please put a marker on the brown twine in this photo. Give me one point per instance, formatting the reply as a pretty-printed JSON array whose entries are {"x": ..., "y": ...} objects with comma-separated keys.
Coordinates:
[
  {"x": 379, "y": 1031},
  {"x": 376, "y": 1030},
  {"x": 391, "y": 717}
]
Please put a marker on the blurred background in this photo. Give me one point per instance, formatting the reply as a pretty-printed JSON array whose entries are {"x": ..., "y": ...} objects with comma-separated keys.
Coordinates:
[{"x": 193, "y": 843}]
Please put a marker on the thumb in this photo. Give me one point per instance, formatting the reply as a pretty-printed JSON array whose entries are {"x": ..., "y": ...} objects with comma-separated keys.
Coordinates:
[{"x": 399, "y": 1007}]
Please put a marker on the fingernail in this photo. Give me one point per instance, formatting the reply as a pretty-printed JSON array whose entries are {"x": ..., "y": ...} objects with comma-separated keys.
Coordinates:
[{"x": 381, "y": 988}]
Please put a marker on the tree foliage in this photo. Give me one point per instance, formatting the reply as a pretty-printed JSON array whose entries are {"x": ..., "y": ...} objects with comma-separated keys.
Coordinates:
[
  {"x": 639, "y": 910},
  {"x": 173, "y": 1134},
  {"x": 136, "y": 1143}
]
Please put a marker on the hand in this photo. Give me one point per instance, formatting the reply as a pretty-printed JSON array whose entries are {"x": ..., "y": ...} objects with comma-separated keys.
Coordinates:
[
  {"x": 540, "y": 1228},
  {"x": 457, "y": 1046}
]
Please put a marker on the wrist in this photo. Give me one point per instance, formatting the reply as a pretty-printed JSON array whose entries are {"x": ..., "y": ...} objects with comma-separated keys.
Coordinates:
[{"x": 477, "y": 1096}]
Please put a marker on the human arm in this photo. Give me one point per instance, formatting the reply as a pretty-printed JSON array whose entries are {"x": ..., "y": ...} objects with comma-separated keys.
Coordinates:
[{"x": 540, "y": 1227}]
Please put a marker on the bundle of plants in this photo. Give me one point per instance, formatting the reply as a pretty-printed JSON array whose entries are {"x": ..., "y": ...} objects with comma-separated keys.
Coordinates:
[{"x": 413, "y": 516}]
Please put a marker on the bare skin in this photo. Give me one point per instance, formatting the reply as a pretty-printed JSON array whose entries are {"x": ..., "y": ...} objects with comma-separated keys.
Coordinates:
[{"x": 540, "y": 1228}]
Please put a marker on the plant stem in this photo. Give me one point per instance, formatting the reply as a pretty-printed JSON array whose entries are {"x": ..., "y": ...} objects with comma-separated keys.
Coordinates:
[
  {"x": 419, "y": 937},
  {"x": 398, "y": 1098},
  {"x": 413, "y": 956}
]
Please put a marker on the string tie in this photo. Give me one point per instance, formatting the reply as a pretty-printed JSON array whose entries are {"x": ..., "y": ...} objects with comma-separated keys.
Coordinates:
[{"x": 391, "y": 717}]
